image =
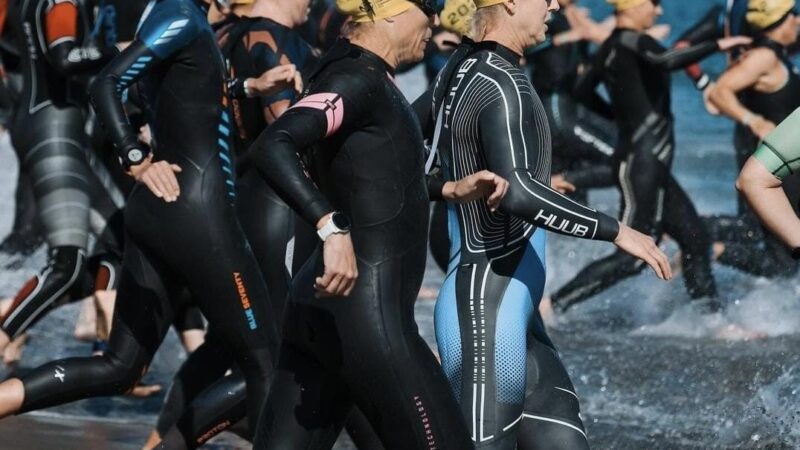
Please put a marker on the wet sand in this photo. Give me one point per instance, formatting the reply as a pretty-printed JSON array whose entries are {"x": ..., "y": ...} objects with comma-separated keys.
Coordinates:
[{"x": 36, "y": 432}]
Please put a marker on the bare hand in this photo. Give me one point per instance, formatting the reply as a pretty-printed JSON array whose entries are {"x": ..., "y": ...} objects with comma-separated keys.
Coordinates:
[
  {"x": 123, "y": 45},
  {"x": 643, "y": 247},
  {"x": 729, "y": 43},
  {"x": 341, "y": 271},
  {"x": 145, "y": 135},
  {"x": 159, "y": 177},
  {"x": 478, "y": 185},
  {"x": 276, "y": 80},
  {"x": 560, "y": 184},
  {"x": 710, "y": 107},
  {"x": 761, "y": 127}
]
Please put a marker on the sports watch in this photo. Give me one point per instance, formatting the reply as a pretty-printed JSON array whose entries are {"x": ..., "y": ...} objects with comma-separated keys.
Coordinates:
[
  {"x": 338, "y": 224},
  {"x": 133, "y": 156}
]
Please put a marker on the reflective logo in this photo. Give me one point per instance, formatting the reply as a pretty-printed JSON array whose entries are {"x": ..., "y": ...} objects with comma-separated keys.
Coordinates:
[{"x": 60, "y": 373}]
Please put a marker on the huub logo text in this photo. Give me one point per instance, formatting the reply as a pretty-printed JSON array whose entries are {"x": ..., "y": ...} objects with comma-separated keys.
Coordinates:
[{"x": 563, "y": 225}]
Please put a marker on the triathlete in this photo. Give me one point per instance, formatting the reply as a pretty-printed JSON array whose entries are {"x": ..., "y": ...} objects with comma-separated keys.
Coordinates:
[
  {"x": 760, "y": 181},
  {"x": 180, "y": 226},
  {"x": 48, "y": 134},
  {"x": 371, "y": 211},
  {"x": 582, "y": 139},
  {"x": 26, "y": 234},
  {"x": 485, "y": 115},
  {"x": 758, "y": 92},
  {"x": 263, "y": 39},
  {"x": 636, "y": 71}
]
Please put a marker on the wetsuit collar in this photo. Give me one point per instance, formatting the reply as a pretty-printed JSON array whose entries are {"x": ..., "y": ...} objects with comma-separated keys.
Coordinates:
[
  {"x": 369, "y": 56},
  {"x": 503, "y": 51}
]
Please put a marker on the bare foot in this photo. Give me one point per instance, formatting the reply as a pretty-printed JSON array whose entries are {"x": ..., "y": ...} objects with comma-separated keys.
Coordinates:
[
  {"x": 428, "y": 294},
  {"x": 145, "y": 390},
  {"x": 733, "y": 332},
  {"x": 191, "y": 339},
  {"x": 717, "y": 249},
  {"x": 85, "y": 328},
  {"x": 547, "y": 312},
  {"x": 13, "y": 351},
  {"x": 152, "y": 441},
  {"x": 4, "y": 305}
]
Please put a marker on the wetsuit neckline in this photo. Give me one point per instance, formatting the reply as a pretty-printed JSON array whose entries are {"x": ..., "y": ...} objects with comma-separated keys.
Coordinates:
[
  {"x": 503, "y": 51},
  {"x": 372, "y": 57}
]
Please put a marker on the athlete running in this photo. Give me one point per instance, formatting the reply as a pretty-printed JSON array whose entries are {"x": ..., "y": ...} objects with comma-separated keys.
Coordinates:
[
  {"x": 760, "y": 181},
  {"x": 264, "y": 39},
  {"x": 180, "y": 221},
  {"x": 486, "y": 116},
  {"x": 48, "y": 133},
  {"x": 636, "y": 71},
  {"x": 368, "y": 161},
  {"x": 761, "y": 90},
  {"x": 583, "y": 141}
]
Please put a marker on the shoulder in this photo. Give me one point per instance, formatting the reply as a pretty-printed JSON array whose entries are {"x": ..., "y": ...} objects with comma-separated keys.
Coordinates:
[
  {"x": 505, "y": 75},
  {"x": 171, "y": 24}
]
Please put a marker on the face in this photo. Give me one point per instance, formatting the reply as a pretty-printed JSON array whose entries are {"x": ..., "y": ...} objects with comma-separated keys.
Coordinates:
[
  {"x": 410, "y": 33},
  {"x": 788, "y": 30},
  {"x": 298, "y": 10},
  {"x": 647, "y": 13},
  {"x": 530, "y": 17}
]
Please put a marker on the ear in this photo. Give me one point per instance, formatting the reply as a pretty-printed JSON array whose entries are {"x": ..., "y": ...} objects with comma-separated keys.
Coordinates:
[{"x": 511, "y": 6}]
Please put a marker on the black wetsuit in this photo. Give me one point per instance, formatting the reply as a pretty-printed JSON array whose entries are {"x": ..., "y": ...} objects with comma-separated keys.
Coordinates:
[
  {"x": 195, "y": 241},
  {"x": 26, "y": 234},
  {"x": 514, "y": 391},
  {"x": 583, "y": 141},
  {"x": 280, "y": 243},
  {"x": 48, "y": 134},
  {"x": 364, "y": 349},
  {"x": 636, "y": 71},
  {"x": 754, "y": 249}
]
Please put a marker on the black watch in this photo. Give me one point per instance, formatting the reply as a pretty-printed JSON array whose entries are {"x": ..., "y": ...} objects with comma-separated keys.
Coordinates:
[
  {"x": 133, "y": 157},
  {"x": 796, "y": 253},
  {"x": 341, "y": 221},
  {"x": 338, "y": 224}
]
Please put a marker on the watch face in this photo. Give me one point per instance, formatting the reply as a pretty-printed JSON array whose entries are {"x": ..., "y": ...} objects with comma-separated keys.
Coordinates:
[
  {"x": 135, "y": 155},
  {"x": 341, "y": 221}
]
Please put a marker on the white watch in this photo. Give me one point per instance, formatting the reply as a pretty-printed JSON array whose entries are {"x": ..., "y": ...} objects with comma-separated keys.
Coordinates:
[{"x": 337, "y": 224}]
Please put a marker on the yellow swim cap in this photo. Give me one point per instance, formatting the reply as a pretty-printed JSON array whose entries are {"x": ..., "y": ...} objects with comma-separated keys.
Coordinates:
[
  {"x": 457, "y": 15},
  {"x": 763, "y": 14},
  {"x": 371, "y": 10},
  {"x": 622, "y": 5},
  {"x": 485, "y": 3}
]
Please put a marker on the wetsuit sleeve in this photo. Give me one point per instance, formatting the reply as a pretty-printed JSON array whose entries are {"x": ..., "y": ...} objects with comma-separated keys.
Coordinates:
[
  {"x": 585, "y": 90},
  {"x": 710, "y": 27},
  {"x": 515, "y": 140},
  {"x": 160, "y": 37},
  {"x": 334, "y": 105},
  {"x": 780, "y": 151},
  {"x": 61, "y": 34},
  {"x": 648, "y": 48}
]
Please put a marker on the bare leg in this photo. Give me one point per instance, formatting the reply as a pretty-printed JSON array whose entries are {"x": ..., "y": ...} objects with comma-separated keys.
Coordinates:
[{"x": 12, "y": 395}]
